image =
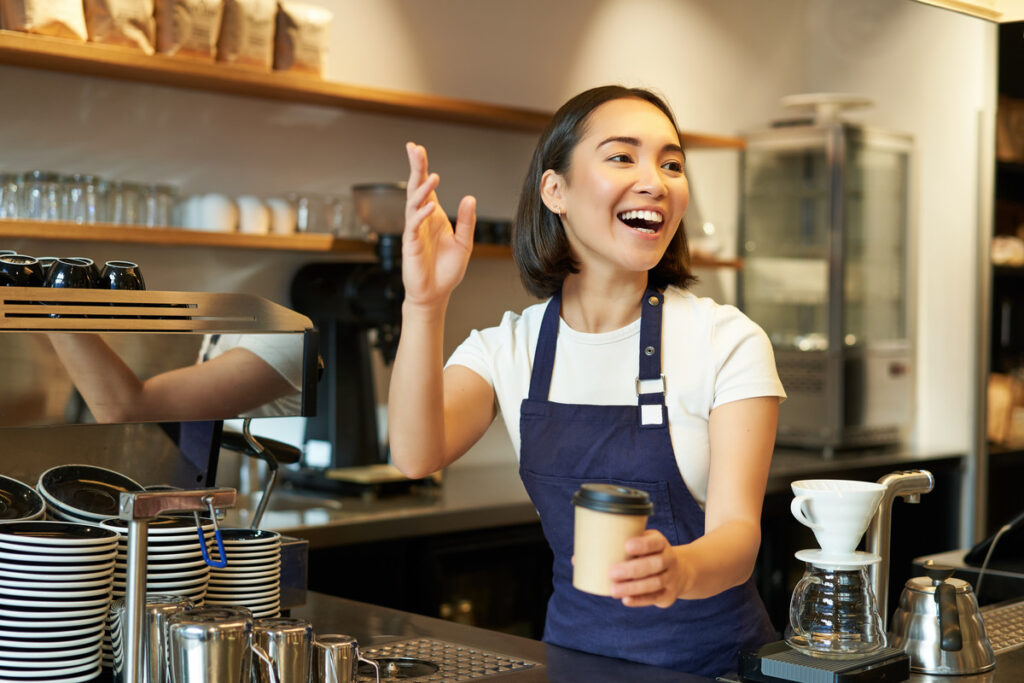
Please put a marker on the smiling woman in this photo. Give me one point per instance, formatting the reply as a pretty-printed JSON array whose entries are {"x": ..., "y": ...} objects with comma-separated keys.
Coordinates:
[{"x": 621, "y": 376}]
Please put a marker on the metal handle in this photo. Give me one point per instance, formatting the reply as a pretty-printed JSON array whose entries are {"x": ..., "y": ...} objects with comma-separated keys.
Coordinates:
[{"x": 264, "y": 454}]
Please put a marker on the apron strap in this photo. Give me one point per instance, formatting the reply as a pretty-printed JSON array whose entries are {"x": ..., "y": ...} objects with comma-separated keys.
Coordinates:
[
  {"x": 544, "y": 356},
  {"x": 650, "y": 383}
]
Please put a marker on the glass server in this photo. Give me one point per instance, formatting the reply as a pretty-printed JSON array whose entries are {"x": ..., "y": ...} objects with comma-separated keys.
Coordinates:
[{"x": 825, "y": 240}]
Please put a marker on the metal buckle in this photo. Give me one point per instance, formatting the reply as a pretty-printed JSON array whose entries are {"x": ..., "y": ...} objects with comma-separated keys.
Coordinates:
[{"x": 653, "y": 386}]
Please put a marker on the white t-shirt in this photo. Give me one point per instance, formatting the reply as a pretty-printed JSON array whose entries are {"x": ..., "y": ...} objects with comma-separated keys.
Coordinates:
[
  {"x": 282, "y": 352},
  {"x": 711, "y": 354}
]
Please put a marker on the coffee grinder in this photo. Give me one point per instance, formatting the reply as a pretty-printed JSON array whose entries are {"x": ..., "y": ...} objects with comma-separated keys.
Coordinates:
[
  {"x": 357, "y": 307},
  {"x": 836, "y": 632}
]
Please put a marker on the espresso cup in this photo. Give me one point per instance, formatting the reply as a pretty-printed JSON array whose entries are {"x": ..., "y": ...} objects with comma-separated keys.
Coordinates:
[
  {"x": 838, "y": 511},
  {"x": 606, "y": 516},
  {"x": 18, "y": 270},
  {"x": 121, "y": 275},
  {"x": 253, "y": 215},
  {"x": 289, "y": 643},
  {"x": 70, "y": 272}
]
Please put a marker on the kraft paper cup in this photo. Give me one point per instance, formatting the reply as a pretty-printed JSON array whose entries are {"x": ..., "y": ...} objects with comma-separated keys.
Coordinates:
[{"x": 606, "y": 517}]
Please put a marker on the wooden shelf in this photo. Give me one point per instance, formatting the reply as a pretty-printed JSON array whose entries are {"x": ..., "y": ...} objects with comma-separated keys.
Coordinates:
[
  {"x": 109, "y": 61},
  {"x": 179, "y": 237}
]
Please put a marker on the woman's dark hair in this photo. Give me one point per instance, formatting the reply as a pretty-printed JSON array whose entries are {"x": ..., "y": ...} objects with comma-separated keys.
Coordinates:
[{"x": 539, "y": 245}]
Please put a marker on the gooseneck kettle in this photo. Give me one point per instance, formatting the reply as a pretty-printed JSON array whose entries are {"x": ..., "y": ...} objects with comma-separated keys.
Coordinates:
[{"x": 939, "y": 625}]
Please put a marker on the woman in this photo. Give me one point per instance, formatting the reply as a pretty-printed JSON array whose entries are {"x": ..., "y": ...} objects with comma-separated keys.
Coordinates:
[{"x": 599, "y": 234}]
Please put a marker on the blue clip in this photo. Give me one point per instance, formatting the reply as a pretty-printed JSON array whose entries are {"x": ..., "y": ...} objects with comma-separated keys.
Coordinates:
[{"x": 223, "y": 562}]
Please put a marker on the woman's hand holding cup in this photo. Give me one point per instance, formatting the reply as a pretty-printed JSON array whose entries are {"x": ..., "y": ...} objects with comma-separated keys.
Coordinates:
[
  {"x": 653, "y": 574},
  {"x": 434, "y": 255}
]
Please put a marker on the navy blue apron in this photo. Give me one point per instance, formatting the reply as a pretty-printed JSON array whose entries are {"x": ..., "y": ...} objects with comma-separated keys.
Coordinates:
[{"x": 564, "y": 445}]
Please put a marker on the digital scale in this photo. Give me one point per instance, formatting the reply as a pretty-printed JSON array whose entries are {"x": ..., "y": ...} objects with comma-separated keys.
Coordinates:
[{"x": 779, "y": 663}]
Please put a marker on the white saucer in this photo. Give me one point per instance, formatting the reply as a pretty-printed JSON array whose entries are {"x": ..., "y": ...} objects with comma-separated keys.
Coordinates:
[{"x": 820, "y": 558}]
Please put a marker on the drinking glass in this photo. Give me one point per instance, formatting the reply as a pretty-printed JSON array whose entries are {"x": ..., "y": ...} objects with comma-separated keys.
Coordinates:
[
  {"x": 10, "y": 185},
  {"x": 41, "y": 196},
  {"x": 82, "y": 198},
  {"x": 157, "y": 205},
  {"x": 123, "y": 203}
]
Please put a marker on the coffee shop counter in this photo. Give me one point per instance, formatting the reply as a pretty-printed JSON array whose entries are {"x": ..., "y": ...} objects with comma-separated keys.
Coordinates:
[
  {"x": 373, "y": 627},
  {"x": 524, "y": 660},
  {"x": 487, "y": 496}
]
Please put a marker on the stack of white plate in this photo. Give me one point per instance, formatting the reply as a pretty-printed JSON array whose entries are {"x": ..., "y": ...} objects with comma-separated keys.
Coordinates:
[
  {"x": 174, "y": 562},
  {"x": 55, "y": 590},
  {"x": 252, "y": 577},
  {"x": 83, "y": 493},
  {"x": 19, "y": 501}
]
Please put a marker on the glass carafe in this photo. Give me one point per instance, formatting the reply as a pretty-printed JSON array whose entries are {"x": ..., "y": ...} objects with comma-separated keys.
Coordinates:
[{"x": 833, "y": 613}]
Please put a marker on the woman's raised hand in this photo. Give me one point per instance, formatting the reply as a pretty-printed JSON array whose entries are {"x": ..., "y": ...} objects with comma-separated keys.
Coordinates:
[{"x": 434, "y": 255}]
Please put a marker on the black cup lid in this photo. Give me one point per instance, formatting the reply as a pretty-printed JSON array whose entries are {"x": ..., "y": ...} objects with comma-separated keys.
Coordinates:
[{"x": 611, "y": 498}]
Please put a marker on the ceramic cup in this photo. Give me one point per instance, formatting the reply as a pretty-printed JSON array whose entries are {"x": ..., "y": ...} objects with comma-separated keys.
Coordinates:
[
  {"x": 121, "y": 275},
  {"x": 253, "y": 215},
  {"x": 18, "y": 270},
  {"x": 70, "y": 272},
  {"x": 837, "y": 510},
  {"x": 282, "y": 216},
  {"x": 606, "y": 516}
]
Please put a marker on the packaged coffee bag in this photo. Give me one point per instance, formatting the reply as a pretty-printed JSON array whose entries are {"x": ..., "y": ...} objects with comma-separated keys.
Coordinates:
[
  {"x": 122, "y": 22},
  {"x": 247, "y": 33},
  {"x": 300, "y": 43},
  {"x": 188, "y": 28},
  {"x": 61, "y": 18}
]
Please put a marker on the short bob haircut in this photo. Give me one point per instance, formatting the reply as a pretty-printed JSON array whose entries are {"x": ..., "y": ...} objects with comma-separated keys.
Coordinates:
[{"x": 539, "y": 245}]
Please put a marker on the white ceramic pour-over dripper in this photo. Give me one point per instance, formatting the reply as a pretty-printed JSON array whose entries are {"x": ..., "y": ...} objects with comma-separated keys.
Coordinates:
[{"x": 837, "y": 510}]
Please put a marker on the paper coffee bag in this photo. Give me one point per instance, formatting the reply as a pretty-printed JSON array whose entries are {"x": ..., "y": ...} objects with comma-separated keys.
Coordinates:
[
  {"x": 247, "y": 33},
  {"x": 188, "y": 28},
  {"x": 60, "y": 18},
  {"x": 300, "y": 43},
  {"x": 122, "y": 22}
]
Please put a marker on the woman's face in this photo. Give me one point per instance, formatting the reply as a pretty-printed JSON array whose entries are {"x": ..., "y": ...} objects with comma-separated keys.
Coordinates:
[{"x": 625, "y": 191}]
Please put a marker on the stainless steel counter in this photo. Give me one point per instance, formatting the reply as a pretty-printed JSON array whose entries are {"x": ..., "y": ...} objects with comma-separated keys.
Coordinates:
[
  {"x": 373, "y": 626},
  {"x": 486, "y": 496}
]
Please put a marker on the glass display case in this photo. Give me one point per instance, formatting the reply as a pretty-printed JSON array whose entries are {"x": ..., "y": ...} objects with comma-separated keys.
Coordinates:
[{"x": 825, "y": 242}]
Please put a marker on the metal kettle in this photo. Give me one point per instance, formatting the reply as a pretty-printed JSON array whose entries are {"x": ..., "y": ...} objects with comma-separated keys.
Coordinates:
[{"x": 939, "y": 625}]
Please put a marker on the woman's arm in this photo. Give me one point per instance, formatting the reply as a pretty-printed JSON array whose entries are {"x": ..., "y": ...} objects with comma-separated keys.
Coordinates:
[
  {"x": 434, "y": 416},
  {"x": 742, "y": 437},
  {"x": 231, "y": 384}
]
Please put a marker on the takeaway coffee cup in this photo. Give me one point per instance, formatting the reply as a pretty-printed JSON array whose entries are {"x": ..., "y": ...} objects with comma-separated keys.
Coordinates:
[
  {"x": 837, "y": 510},
  {"x": 606, "y": 517}
]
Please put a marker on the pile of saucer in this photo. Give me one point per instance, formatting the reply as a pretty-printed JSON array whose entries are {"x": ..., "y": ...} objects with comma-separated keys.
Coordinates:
[
  {"x": 174, "y": 562},
  {"x": 55, "y": 590},
  {"x": 84, "y": 493},
  {"x": 19, "y": 501},
  {"x": 252, "y": 577}
]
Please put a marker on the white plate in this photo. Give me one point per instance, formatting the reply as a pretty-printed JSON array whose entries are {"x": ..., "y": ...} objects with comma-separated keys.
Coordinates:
[
  {"x": 48, "y": 550},
  {"x": 237, "y": 554},
  {"x": 10, "y": 675},
  {"x": 245, "y": 598},
  {"x": 26, "y": 636},
  {"x": 64, "y": 596},
  {"x": 32, "y": 584},
  {"x": 260, "y": 603},
  {"x": 151, "y": 556},
  {"x": 29, "y": 658},
  {"x": 56, "y": 579},
  {"x": 257, "y": 584},
  {"x": 247, "y": 565},
  {"x": 61, "y": 678},
  {"x": 6, "y": 602},
  {"x": 160, "y": 526},
  {"x": 57, "y": 622},
  {"x": 84, "y": 559},
  {"x": 229, "y": 574},
  {"x": 49, "y": 533}
]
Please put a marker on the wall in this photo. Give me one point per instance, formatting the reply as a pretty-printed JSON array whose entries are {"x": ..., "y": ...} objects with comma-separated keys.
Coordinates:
[{"x": 722, "y": 65}]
